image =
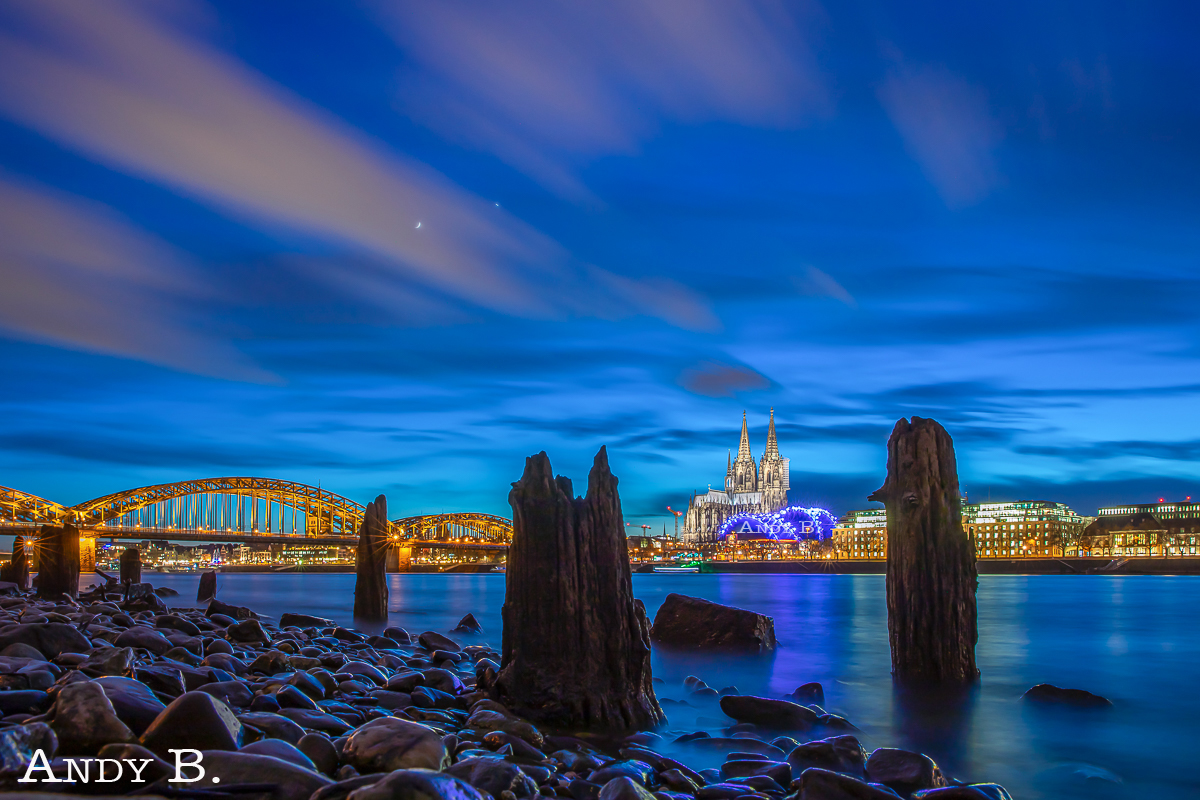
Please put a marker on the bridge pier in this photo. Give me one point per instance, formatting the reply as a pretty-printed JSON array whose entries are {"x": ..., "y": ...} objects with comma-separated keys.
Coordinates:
[
  {"x": 399, "y": 558},
  {"x": 87, "y": 555}
]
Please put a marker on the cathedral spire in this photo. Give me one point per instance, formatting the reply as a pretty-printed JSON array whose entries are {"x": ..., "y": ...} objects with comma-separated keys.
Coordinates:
[
  {"x": 744, "y": 444},
  {"x": 728, "y": 461},
  {"x": 772, "y": 443}
]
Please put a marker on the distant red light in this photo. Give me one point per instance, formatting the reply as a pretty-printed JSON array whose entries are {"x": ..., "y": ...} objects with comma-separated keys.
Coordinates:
[{"x": 1161, "y": 500}]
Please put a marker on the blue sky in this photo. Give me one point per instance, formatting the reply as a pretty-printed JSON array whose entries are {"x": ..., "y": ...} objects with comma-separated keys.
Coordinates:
[{"x": 397, "y": 247}]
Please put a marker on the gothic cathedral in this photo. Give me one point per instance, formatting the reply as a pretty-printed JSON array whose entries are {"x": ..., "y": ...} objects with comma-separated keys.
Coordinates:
[{"x": 750, "y": 488}]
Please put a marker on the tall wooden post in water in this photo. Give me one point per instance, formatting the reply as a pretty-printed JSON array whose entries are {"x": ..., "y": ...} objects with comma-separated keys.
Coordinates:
[
  {"x": 931, "y": 577},
  {"x": 576, "y": 644},
  {"x": 370, "y": 587}
]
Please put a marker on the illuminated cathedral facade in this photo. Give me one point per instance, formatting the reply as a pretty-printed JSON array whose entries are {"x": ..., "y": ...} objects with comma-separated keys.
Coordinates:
[{"x": 750, "y": 488}]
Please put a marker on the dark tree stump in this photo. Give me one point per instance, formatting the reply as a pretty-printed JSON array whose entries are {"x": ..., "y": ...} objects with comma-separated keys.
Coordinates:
[
  {"x": 576, "y": 644},
  {"x": 931, "y": 578},
  {"x": 58, "y": 561},
  {"x": 370, "y": 587},
  {"x": 131, "y": 566},
  {"x": 17, "y": 569},
  {"x": 208, "y": 586}
]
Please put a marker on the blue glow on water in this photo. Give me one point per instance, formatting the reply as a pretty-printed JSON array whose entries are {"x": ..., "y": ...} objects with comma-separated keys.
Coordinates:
[{"x": 1131, "y": 639}]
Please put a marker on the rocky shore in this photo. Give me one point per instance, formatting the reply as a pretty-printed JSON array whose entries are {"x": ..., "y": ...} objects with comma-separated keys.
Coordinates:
[{"x": 300, "y": 708}]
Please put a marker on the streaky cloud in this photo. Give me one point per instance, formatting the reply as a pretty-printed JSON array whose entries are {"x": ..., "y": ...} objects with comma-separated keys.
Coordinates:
[
  {"x": 122, "y": 86},
  {"x": 548, "y": 86},
  {"x": 948, "y": 128},
  {"x": 76, "y": 274}
]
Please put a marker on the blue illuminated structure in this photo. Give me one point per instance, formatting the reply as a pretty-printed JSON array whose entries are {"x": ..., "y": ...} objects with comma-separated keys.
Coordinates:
[{"x": 791, "y": 523}]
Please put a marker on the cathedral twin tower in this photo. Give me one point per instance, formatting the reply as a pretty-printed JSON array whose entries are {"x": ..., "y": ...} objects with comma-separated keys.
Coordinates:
[{"x": 750, "y": 488}]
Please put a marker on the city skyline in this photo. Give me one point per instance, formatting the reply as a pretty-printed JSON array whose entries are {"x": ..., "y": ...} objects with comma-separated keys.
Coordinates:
[{"x": 406, "y": 250}]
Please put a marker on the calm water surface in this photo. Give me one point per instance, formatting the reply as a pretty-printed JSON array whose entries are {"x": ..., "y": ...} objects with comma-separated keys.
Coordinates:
[{"x": 1132, "y": 639}]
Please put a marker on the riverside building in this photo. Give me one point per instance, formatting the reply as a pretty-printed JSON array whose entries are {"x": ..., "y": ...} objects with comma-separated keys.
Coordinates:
[
  {"x": 750, "y": 488},
  {"x": 861, "y": 535},
  {"x": 1144, "y": 529},
  {"x": 1027, "y": 529}
]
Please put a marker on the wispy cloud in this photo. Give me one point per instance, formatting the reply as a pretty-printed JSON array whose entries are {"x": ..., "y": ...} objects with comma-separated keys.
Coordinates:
[
  {"x": 126, "y": 88},
  {"x": 822, "y": 284},
  {"x": 948, "y": 127},
  {"x": 547, "y": 86},
  {"x": 76, "y": 274},
  {"x": 714, "y": 379}
]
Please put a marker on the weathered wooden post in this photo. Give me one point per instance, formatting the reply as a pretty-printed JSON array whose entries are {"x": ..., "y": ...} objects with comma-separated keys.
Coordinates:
[
  {"x": 131, "y": 565},
  {"x": 17, "y": 569},
  {"x": 931, "y": 578},
  {"x": 208, "y": 586},
  {"x": 576, "y": 644},
  {"x": 58, "y": 565},
  {"x": 370, "y": 586}
]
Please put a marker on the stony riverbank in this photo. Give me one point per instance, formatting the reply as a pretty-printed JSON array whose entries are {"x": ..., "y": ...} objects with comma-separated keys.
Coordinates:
[{"x": 301, "y": 708}]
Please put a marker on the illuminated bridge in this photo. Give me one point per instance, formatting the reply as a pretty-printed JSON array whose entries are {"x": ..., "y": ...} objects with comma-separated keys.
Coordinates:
[{"x": 260, "y": 510}]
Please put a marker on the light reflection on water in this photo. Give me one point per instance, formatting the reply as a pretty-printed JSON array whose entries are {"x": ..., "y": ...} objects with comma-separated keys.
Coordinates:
[{"x": 1131, "y": 639}]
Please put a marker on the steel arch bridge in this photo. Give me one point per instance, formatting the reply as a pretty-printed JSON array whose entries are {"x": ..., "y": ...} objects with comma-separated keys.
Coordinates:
[
  {"x": 454, "y": 527},
  {"x": 240, "y": 509}
]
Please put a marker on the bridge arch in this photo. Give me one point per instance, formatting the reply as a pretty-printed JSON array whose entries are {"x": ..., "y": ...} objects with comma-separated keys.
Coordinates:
[
  {"x": 251, "y": 505},
  {"x": 454, "y": 527},
  {"x": 21, "y": 507}
]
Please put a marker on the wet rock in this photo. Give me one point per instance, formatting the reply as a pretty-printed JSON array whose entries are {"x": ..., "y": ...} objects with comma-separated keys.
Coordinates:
[
  {"x": 21, "y": 650},
  {"x": 291, "y": 782},
  {"x": 836, "y": 753},
  {"x": 176, "y": 623},
  {"x": 493, "y": 775},
  {"x": 486, "y": 720},
  {"x": 165, "y": 591},
  {"x": 1048, "y": 693},
  {"x": 780, "y": 772},
  {"x": 216, "y": 607},
  {"x": 635, "y": 770},
  {"x": 693, "y": 623},
  {"x": 268, "y": 663},
  {"x": 196, "y": 721},
  {"x": 233, "y": 693},
  {"x": 974, "y": 791},
  {"x": 431, "y": 640},
  {"x": 84, "y": 720},
  {"x": 317, "y": 720},
  {"x": 443, "y": 680},
  {"x": 162, "y": 679},
  {"x": 208, "y": 587},
  {"x": 820, "y": 784},
  {"x": 468, "y": 624},
  {"x": 145, "y": 638},
  {"x": 405, "y": 681},
  {"x": 133, "y": 702},
  {"x": 182, "y": 656},
  {"x": 904, "y": 770},
  {"x": 274, "y": 726},
  {"x": 304, "y": 621},
  {"x": 397, "y": 635},
  {"x": 48, "y": 638},
  {"x": 291, "y": 697},
  {"x": 248, "y": 631},
  {"x": 389, "y": 743},
  {"x": 809, "y": 693},
  {"x": 108, "y": 661},
  {"x": 277, "y": 748},
  {"x": 23, "y": 701},
  {"x": 320, "y": 751},
  {"x": 624, "y": 788},
  {"x": 768, "y": 713},
  {"x": 18, "y": 743},
  {"x": 417, "y": 784}
]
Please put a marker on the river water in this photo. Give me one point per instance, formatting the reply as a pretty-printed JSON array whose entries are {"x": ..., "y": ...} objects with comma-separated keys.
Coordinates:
[{"x": 1133, "y": 639}]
